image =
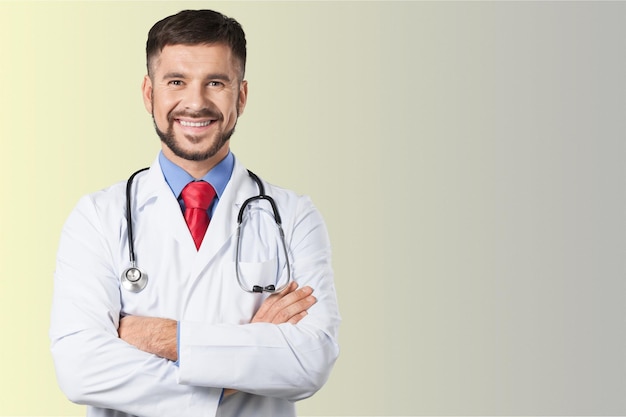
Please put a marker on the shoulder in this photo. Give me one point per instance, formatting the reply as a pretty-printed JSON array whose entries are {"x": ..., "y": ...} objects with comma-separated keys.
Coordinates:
[
  {"x": 286, "y": 199},
  {"x": 93, "y": 208},
  {"x": 113, "y": 196},
  {"x": 112, "y": 200},
  {"x": 296, "y": 210},
  {"x": 287, "y": 196}
]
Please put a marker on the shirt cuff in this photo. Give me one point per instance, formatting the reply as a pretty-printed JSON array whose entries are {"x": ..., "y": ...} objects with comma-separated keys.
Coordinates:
[{"x": 177, "y": 363}]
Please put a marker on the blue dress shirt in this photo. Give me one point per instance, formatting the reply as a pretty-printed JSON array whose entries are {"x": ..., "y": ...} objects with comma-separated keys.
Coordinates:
[{"x": 177, "y": 178}]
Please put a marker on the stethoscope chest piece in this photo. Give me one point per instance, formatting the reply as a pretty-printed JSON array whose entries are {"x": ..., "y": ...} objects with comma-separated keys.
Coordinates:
[{"x": 134, "y": 280}]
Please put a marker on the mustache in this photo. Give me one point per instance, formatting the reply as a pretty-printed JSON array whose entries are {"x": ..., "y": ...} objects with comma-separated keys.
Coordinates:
[{"x": 202, "y": 113}]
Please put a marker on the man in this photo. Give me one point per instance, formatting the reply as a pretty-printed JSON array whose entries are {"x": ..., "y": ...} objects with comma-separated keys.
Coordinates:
[{"x": 193, "y": 342}]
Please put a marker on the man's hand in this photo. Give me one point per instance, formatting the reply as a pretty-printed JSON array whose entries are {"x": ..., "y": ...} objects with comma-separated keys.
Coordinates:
[
  {"x": 151, "y": 334},
  {"x": 287, "y": 306}
]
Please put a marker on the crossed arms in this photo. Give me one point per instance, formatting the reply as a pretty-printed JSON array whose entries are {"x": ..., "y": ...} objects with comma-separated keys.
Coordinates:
[
  {"x": 159, "y": 336},
  {"x": 125, "y": 363}
]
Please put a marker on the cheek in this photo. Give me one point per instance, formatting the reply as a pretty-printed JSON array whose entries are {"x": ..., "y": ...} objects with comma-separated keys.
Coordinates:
[
  {"x": 161, "y": 108},
  {"x": 231, "y": 108},
  {"x": 162, "y": 104}
]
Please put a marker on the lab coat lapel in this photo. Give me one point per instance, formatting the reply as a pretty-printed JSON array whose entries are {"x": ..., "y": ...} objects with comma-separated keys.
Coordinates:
[
  {"x": 152, "y": 187},
  {"x": 167, "y": 213},
  {"x": 224, "y": 221}
]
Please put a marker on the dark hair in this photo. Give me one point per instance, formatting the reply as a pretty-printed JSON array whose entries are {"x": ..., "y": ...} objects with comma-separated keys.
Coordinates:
[{"x": 196, "y": 27}]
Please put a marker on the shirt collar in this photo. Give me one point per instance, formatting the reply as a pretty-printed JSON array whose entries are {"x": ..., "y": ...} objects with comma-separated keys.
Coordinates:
[{"x": 177, "y": 178}]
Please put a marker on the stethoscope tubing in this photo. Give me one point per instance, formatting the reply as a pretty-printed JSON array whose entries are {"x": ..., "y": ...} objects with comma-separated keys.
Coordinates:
[
  {"x": 129, "y": 220},
  {"x": 135, "y": 280}
]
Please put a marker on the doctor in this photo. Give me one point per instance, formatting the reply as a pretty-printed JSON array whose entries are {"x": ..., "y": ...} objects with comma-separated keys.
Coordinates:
[{"x": 193, "y": 342}]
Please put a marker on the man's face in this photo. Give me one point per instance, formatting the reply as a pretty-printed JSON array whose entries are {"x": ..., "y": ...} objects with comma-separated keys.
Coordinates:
[{"x": 195, "y": 95}]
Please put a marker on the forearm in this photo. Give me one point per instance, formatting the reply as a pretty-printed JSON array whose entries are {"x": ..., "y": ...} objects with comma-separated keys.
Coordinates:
[
  {"x": 96, "y": 368},
  {"x": 150, "y": 334}
]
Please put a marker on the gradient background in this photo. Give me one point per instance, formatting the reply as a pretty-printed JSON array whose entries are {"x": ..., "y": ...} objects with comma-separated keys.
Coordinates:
[{"x": 468, "y": 159}]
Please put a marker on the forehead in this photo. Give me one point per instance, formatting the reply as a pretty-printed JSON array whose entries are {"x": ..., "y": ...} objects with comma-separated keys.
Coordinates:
[{"x": 195, "y": 58}]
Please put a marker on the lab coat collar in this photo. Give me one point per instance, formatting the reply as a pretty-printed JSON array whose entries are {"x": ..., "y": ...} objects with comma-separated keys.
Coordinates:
[
  {"x": 151, "y": 188},
  {"x": 224, "y": 221},
  {"x": 154, "y": 202}
]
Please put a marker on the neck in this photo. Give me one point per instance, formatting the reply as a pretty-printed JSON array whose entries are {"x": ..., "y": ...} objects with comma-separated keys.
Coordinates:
[{"x": 197, "y": 169}]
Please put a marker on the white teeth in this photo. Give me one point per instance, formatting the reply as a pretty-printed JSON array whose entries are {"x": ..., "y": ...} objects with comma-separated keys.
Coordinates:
[{"x": 194, "y": 124}]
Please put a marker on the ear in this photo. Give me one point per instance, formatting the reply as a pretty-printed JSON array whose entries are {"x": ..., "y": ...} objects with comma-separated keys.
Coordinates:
[
  {"x": 146, "y": 90},
  {"x": 243, "y": 97}
]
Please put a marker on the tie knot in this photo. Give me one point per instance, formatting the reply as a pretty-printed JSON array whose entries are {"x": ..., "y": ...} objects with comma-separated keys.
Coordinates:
[{"x": 198, "y": 194}]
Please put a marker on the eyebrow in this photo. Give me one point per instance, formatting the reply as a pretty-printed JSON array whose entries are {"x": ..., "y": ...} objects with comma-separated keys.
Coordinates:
[
  {"x": 173, "y": 75},
  {"x": 218, "y": 76},
  {"x": 215, "y": 76}
]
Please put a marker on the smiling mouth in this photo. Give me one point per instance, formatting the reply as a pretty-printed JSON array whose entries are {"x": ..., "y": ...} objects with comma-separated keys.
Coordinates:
[{"x": 187, "y": 123}]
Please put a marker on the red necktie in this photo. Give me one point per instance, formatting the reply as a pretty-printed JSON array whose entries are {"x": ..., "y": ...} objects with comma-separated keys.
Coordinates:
[{"x": 197, "y": 196}]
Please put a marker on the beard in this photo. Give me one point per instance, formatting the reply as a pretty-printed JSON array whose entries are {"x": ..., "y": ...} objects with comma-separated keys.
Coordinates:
[{"x": 169, "y": 139}]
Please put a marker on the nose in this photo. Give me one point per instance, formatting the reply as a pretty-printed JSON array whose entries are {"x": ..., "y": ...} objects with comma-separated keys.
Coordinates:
[{"x": 196, "y": 97}]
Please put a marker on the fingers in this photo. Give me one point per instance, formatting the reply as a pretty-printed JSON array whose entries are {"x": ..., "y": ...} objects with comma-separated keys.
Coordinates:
[
  {"x": 272, "y": 299},
  {"x": 264, "y": 310},
  {"x": 289, "y": 306},
  {"x": 295, "y": 319}
]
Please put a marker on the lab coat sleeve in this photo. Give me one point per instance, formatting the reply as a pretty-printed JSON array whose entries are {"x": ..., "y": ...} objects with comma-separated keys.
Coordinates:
[
  {"x": 285, "y": 361},
  {"x": 93, "y": 366}
]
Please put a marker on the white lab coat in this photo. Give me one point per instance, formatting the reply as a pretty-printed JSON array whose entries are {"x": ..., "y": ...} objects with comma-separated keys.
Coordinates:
[{"x": 271, "y": 365}]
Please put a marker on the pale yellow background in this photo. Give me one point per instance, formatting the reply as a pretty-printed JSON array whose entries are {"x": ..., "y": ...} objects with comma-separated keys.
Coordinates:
[{"x": 468, "y": 158}]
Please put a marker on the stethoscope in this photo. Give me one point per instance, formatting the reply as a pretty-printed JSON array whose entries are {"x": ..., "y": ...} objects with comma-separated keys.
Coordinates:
[{"x": 134, "y": 279}]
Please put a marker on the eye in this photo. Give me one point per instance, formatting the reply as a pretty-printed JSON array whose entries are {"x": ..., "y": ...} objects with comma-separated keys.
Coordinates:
[
  {"x": 215, "y": 84},
  {"x": 175, "y": 82}
]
